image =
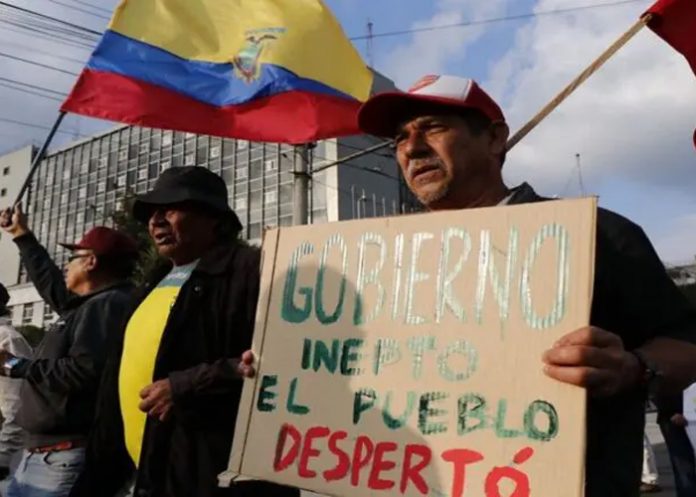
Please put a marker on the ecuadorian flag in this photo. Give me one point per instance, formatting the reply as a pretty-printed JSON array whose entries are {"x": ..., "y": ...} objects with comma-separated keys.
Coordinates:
[{"x": 264, "y": 70}]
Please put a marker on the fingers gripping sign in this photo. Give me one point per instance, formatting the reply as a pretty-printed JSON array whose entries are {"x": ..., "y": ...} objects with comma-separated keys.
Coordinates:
[{"x": 592, "y": 358}]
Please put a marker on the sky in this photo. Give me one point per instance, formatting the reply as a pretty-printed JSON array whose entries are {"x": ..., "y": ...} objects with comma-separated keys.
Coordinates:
[{"x": 632, "y": 123}]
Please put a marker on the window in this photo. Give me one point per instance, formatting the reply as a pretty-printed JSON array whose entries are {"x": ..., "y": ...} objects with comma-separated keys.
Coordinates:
[
  {"x": 123, "y": 155},
  {"x": 3, "y": 192},
  {"x": 82, "y": 193},
  {"x": 270, "y": 165},
  {"x": 5, "y": 171},
  {"x": 101, "y": 187},
  {"x": 27, "y": 313},
  {"x": 215, "y": 152},
  {"x": 242, "y": 144},
  {"x": 242, "y": 173},
  {"x": 80, "y": 218},
  {"x": 165, "y": 165},
  {"x": 142, "y": 174},
  {"x": 189, "y": 135},
  {"x": 144, "y": 148},
  {"x": 167, "y": 138},
  {"x": 190, "y": 160},
  {"x": 103, "y": 161},
  {"x": 64, "y": 198},
  {"x": 270, "y": 197},
  {"x": 48, "y": 314},
  {"x": 47, "y": 203},
  {"x": 240, "y": 203},
  {"x": 121, "y": 180},
  {"x": 84, "y": 167}
]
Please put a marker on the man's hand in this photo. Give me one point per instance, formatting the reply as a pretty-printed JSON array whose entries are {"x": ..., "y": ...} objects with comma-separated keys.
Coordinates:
[
  {"x": 679, "y": 420},
  {"x": 14, "y": 221},
  {"x": 245, "y": 366},
  {"x": 157, "y": 399},
  {"x": 592, "y": 358},
  {"x": 4, "y": 357}
]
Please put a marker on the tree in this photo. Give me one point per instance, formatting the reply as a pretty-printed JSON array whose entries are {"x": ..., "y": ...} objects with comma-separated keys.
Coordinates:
[{"x": 148, "y": 257}]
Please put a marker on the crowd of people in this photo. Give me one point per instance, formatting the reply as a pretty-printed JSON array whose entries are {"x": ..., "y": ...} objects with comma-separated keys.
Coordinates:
[{"x": 134, "y": 391}]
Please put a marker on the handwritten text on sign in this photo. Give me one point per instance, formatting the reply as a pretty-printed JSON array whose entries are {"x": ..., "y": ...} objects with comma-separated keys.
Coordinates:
[{"x": 404, "y": 355}]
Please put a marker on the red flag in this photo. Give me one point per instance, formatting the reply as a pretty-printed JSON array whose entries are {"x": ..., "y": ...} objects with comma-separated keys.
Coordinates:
[{"x": 675, "y": 22}]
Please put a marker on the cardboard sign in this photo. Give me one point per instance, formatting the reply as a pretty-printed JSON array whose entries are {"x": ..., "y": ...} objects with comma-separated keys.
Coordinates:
[{"x": 402, "y": 356}]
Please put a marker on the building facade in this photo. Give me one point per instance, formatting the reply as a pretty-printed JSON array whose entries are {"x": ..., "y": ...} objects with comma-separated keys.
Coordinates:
[{"x": 83, "y": 184}]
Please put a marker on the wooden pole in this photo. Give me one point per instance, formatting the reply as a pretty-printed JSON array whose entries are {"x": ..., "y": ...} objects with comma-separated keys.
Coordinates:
[{"x": 591, "y": 69}]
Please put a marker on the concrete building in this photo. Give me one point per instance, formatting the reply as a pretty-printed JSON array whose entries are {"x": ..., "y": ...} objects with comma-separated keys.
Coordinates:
[{"x": 83, "y": 184}]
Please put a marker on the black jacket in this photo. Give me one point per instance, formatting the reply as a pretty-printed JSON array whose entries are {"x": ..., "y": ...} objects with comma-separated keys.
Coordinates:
[
  {"x": 634, "y": 298},
  {"x": 211, "y": 323},
  {"x": 58, "y": 397}
]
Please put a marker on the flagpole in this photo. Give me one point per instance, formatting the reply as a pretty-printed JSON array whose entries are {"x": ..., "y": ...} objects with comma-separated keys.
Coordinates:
[
  {"x": 39, "y": 157},
  {"x": 300, "y": 207},
  {"x": 589, "y": 71}
]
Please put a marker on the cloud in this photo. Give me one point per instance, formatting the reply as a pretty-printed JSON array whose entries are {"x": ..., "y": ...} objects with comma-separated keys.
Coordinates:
[
  {"x": 430, "y": 52},
  {"x": 634, "y": 118},
  {"x": 678, "y": 242}
]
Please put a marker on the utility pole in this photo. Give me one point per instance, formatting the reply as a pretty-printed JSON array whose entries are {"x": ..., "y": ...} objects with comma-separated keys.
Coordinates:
[
  {"x": 300, "y": 208},
  {"x": 580, "y": 181},
  {"x": 370, "y": 47}
]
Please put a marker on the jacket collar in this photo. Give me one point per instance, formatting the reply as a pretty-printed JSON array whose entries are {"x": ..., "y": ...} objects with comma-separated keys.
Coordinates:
[
  {"x": 77, "y": 300},
  {"x": 524, "y": 194}
]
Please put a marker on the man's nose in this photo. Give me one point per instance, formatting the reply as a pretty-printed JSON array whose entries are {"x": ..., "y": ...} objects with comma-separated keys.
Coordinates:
[
  {"x": 415, "y": 146},
  {"x": 158, "y": 216}
]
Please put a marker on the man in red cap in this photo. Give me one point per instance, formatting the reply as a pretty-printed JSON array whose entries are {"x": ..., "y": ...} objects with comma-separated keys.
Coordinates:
[
  {"x": 57, "y": 401},
  {"x": 450, "y": 140}
]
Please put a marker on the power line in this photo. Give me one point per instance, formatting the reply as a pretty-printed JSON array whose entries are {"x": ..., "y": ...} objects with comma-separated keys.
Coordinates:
[
  {"x": 42, "y": 52},
  {"x": 35, "y": 34},
  {"x": 39, "y": 64},
  {"x": 31, "y": 125},
  {"x": 87, "y": 4},
  {"x": 495, "y": 19},
  {"x": 54, "y": 19},
  {"x": 28, "y": 90},
  {"x": 78, "y": 9},
  {"x": 35, "y": 87}
]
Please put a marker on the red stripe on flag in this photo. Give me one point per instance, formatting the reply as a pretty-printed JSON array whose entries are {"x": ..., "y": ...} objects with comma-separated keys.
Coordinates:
[
  {"x": 292, "y": 117},
  {"x": 675, "y": 22}
]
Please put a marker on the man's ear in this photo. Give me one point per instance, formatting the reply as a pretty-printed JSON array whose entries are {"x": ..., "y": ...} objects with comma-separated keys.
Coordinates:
[
  {"x": 499, "y": 133},
  {"x": 91, "y": 262}
]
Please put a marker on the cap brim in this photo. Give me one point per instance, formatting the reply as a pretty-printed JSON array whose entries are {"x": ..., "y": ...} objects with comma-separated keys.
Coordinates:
[
  {"x": 142, "y": 207},
  {"x": 384, "y": 113},
  {"x": 71, "y": 246}
]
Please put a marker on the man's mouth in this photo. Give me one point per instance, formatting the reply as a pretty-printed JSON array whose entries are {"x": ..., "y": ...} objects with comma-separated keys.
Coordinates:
[
  {"x": 423, "y": 171},
  {"x": 163, "y": 238}
]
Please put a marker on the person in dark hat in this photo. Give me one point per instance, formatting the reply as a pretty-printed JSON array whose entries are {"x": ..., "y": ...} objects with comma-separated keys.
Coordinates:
[
  {"x": 450, "y": 141},
  {"x": 11, "y": 434},
  {"x": 169, "y": 399},
  {"x": 91, "y": 296}
]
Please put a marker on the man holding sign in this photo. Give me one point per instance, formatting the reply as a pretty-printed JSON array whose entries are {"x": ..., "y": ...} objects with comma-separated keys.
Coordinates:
[{"x": 450, "y": 139}]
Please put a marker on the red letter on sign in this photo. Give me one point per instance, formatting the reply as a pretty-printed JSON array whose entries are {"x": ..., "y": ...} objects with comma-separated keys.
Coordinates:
[
  {"x": 308, "y": 451},
  {"x": 359, "y": 459},
  {"x": 343, "y": 464},
  {"x": 460, "y": 458},
  {"x": 379, "y": 465},
  {"x": 411, "y": 471},
  {"x": 280, "y": 462}
]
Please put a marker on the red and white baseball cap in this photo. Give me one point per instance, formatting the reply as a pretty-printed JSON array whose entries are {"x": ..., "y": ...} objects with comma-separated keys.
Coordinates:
[{"x": 383, "y": 113}]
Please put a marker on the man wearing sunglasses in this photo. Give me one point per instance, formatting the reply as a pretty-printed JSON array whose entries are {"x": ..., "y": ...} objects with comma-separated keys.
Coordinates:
[{"x": 57, "y": 400}]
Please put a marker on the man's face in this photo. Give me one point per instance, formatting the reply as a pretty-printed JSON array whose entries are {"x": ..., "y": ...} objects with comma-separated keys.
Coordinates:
[
  {"x": 181, "y": 232},
  {"x": 441, "y": 158},
  {"x": 77, "y": 270}
]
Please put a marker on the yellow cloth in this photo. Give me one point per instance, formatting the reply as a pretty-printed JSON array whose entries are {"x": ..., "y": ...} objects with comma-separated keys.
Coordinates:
[
  {"x": 310, "y": 39},
  {"x": 140, "y": 347}
]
